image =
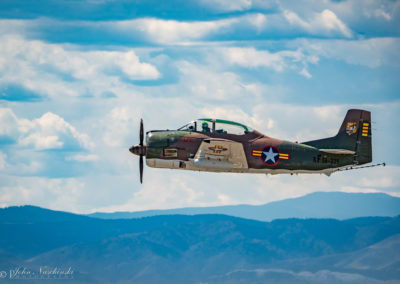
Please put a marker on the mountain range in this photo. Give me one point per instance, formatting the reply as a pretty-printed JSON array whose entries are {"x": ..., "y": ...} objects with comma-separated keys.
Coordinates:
[
  {"x": 337, "y": 205},
  {"x": 206, "y": 248}
]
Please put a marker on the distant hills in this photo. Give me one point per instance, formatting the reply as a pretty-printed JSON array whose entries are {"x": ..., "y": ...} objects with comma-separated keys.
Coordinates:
[
  {"x": 337, "y": 205},
  {"x": 201, "y": 248}
]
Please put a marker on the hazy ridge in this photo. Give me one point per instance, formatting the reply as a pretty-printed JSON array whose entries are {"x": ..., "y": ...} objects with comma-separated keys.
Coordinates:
[{"x": 337, "y": 205}]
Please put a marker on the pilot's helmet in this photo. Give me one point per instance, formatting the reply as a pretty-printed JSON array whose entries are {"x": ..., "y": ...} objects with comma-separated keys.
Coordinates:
[{"x": 204, "y": 124}]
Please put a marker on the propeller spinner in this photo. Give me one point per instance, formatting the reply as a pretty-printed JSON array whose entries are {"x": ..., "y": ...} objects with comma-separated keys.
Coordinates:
[{"x": 140, "y": 150}]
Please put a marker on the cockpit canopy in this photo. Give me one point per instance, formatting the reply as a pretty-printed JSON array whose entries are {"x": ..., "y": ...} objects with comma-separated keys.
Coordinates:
[{"x": 216, "y": 126}]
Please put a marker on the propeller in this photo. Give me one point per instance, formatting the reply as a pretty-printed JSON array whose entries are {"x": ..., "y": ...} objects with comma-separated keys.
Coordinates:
[
  {"x": 141, "y": 168},
  {"x": 140, "y": 150},
  {"x": 141, "y": 132}
]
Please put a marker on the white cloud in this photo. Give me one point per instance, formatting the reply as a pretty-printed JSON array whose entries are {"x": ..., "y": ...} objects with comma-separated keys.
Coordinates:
[
  {"x": 367, "y": 17},
  {"x": 374, "y": 52},
  {"x": 172, "y": 31},
  {"x": 83, "y": 158},
  {"x": 47, "y": 68},
  {"x": 119, "y": 123},
  {"x": 258, "y": 20},
  {"x": 294, "y": 19},
  {"x": 41, "y": 142},
  {"x": 50, "y": 131},
  {"x": 131, "y": 66},
  {"x": 56, "y": 194},
  {"x": 250, "y": 57},
  {"x": 13, "y": 26},
  {"x": 383, "y": 14},
  {"x": 204, "y": 83},
  {"x": 326, "y": 23},
  {"x": 305, "y": 73},
  {"x": 9, "y": 127},
  {"x": 279, "y": 61},
  {"x": 19, "y": 164},
  {"x": 329, "y": 21},
  {"x": 328, "y": 113}
]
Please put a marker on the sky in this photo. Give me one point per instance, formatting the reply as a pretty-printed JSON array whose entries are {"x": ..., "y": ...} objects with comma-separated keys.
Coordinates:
[{"x": 77, "y": 76}]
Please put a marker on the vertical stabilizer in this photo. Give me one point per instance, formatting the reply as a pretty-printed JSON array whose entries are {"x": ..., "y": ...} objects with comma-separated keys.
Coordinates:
[{"x": 354, "y": 135}]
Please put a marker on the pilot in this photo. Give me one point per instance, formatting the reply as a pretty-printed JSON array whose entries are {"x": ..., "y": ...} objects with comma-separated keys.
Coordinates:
[{"x": 205, "y": 127}]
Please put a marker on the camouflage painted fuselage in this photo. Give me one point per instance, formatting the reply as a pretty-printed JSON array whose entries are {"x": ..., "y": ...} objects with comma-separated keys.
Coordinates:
[
  {"x": 298, "y": 158},
  {"x": 254, "y": 152}
]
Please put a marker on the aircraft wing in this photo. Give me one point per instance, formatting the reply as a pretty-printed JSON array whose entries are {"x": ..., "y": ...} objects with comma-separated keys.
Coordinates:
[{"x": 220, "y": 154}]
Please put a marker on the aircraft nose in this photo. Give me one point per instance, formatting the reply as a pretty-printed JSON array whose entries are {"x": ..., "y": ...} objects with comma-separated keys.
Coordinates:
[
  {"x": 132, "y": 149},
  {"x": 138, "y": 150}
]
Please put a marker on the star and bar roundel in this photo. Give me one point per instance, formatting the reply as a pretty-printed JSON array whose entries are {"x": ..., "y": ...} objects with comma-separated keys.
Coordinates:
[{"x": 270, "y": 155}]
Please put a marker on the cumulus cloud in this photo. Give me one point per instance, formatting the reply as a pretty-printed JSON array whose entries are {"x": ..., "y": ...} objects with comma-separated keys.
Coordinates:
[{"x": 50, "y": 131}]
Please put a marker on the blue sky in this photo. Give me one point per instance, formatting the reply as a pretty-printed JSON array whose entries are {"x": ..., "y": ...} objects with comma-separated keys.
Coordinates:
[{"x": 77, "y": 76}]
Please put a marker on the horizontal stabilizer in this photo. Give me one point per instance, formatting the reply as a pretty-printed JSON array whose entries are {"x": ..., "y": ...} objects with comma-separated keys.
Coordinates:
[{"x": 338, "y": 151}]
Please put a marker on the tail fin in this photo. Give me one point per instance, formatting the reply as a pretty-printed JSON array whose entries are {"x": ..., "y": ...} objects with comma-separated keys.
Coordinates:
[{"x": 354, "y": 135}]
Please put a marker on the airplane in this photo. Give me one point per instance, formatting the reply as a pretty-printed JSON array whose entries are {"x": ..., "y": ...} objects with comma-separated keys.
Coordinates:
[{"x": 217, "y": 145}]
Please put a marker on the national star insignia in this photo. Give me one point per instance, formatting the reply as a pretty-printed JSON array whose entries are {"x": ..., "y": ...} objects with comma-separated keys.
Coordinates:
[{"x": 270, "y": 155}]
